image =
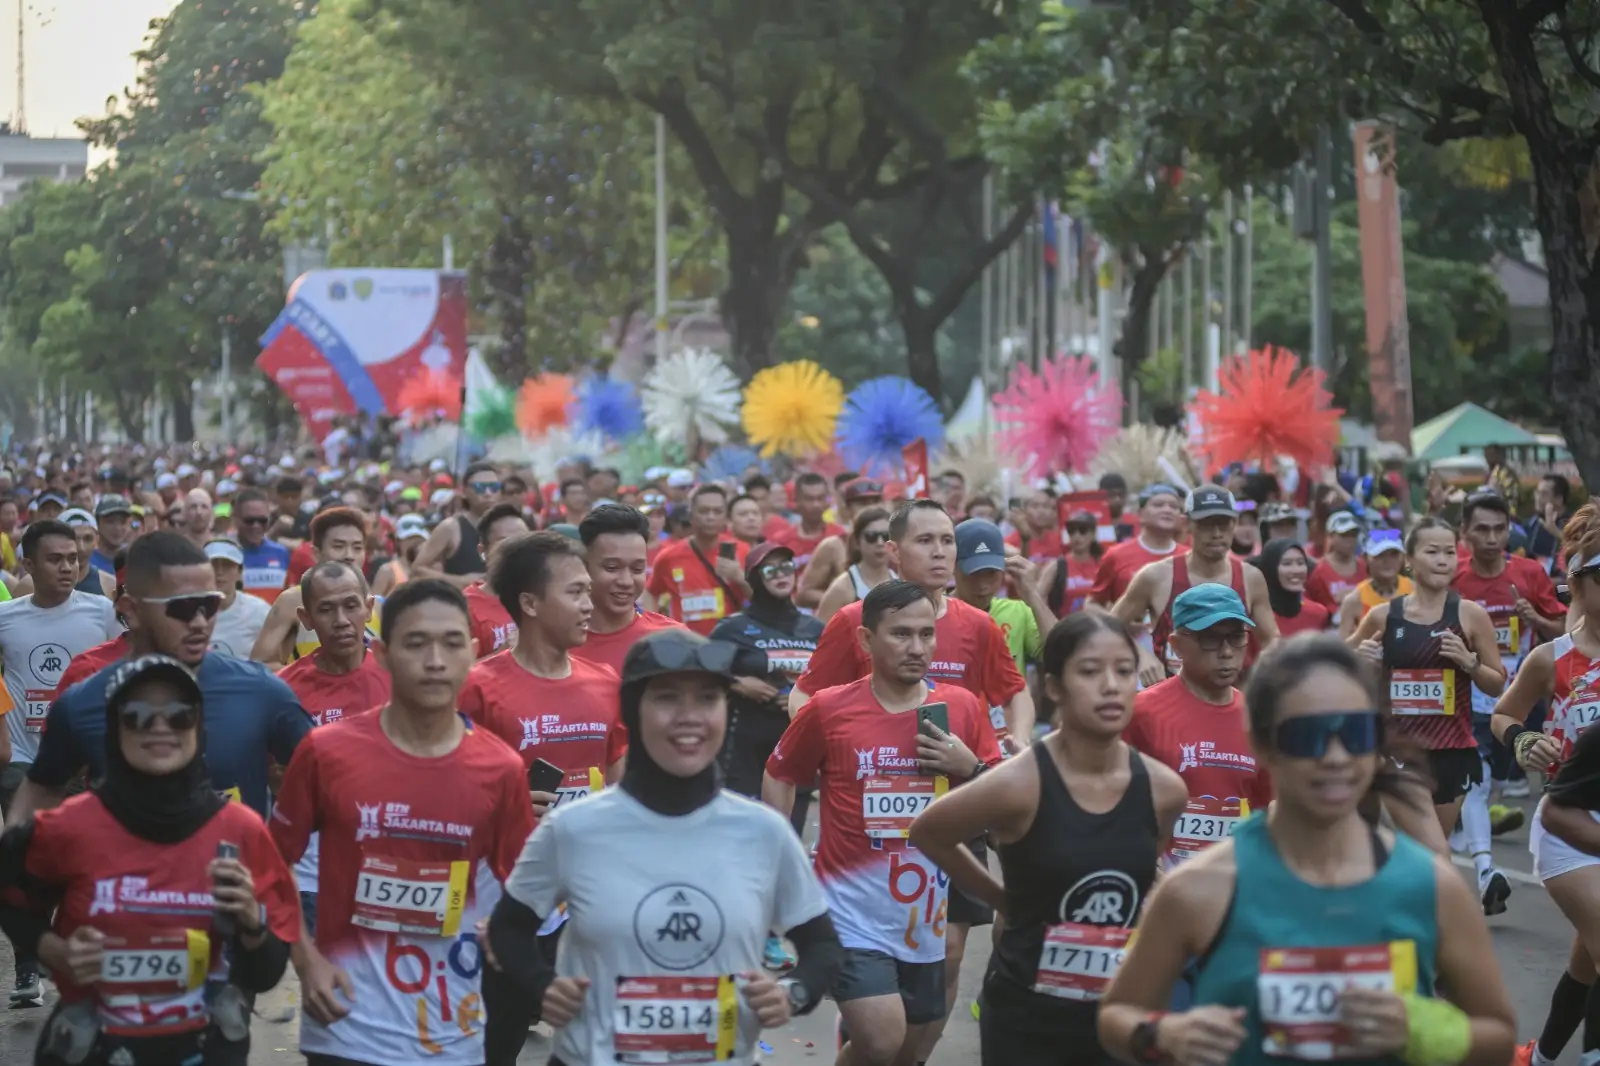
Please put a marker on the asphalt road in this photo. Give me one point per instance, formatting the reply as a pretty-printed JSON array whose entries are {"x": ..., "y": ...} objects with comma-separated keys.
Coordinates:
[{"x": 1531, "y": 945}]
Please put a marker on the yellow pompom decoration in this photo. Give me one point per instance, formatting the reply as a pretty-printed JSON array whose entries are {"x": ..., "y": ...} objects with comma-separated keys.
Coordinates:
[{"x": 791, "y": 408}]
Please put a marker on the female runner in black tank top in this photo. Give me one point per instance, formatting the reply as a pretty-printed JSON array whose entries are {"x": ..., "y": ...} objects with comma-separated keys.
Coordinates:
[
  {"x": 1434, "y": 647},
  {"x": 1079, "y": 827}
]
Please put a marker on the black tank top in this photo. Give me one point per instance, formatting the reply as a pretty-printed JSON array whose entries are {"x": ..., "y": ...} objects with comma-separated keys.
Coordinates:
[
  {"x": 91, "y": 584},
  {"x": 466, "y": 559},
  {"x": 1071, "y": 866},
  {"x": 1416, "y": 671}
]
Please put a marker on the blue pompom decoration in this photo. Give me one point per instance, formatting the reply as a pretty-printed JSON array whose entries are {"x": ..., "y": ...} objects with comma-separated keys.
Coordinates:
[
  {"x": 881, "y": 417},
  {"x": 731, "y": 461},
  {"x": 607, "y": 407}
]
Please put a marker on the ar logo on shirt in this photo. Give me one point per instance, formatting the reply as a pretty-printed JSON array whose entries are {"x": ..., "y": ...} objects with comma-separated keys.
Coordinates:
[
  {"x": 678, "y": 927},
  {"x": 1108, "y": 897},
  {"x": 48, "y": 662}
]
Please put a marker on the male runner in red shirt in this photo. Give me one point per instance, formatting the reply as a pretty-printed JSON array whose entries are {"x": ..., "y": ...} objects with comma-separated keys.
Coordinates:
[
  {"x": 491, "y": 626},
  {"x": 1160, "y": 517},
  {"x": 694, "y": 581},
  {"x": 616, "y": 541},
  {"x": 802, "y": 537}
]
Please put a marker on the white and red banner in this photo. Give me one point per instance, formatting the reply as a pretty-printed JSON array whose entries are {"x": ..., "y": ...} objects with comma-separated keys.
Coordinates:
[{"x": 349, "y": 339}]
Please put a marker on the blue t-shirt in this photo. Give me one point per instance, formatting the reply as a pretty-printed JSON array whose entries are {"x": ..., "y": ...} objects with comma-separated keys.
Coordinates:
[
  {"x": 249, "y": 714},
  {"x": 266, "y": 567}
]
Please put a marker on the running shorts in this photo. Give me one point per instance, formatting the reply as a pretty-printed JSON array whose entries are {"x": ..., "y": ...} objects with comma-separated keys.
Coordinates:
[
  {"x": 1553, "y": 856},
  {"x": 1455, "y": 771},
  {"x": 867, "y": 973}
]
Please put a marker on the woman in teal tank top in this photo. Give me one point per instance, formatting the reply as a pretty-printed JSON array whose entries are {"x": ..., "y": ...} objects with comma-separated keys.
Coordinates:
[{"x": 1318, "y": 937}]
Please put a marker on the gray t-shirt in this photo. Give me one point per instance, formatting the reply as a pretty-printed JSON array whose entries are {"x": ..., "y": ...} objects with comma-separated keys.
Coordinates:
[
  {"x": 36, "y": 645},
  {"x": 662, "y": 913}
]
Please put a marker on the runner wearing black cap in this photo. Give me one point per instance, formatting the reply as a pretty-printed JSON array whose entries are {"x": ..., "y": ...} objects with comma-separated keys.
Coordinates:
[
  {"x": 1212, "y": 518},
  {"x": 680, "y": 979},
  {"x": 153, "y": 932}
]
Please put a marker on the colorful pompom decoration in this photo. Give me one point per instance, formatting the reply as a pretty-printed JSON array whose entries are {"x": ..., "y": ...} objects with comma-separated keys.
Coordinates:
[
  {"x": 882, "y": 416},
  {"x": 607, "y": 407},
  {"x": 1267, "y": 406},
  {"x": 543, "y": 403},
  {"x": 431, "y": 395},
  {"x": 1055, "y": 420},
  {"x": 691, "y": 397},
  {"x": 792, "y": 408}
]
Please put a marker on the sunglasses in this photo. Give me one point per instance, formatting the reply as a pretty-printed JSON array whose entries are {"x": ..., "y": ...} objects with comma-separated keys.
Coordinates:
[
  {"x": 875, "y": 536},
  {"x": 714, "y": 657},
  {"x": 138, "y": 715},
  {"x": 184, "y": 608},
  {"x": 783, "y": 569},
  {"x": 258, "y": 520},
  {"x": 484, "y": 487},
  {"x": 1307, "y": 737}
]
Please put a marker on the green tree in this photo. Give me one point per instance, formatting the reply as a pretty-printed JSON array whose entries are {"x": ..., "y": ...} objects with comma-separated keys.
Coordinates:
[{"x": 550, "y": 199}]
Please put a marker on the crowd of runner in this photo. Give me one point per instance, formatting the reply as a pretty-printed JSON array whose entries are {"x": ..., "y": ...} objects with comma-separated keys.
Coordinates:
[{"x": 469, "y": 753}]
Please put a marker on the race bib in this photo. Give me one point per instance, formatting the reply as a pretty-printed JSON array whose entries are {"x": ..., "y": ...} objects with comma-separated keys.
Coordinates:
[
  {"x": 1422, "y": 692},
  {"x": 675, "y": 1019},
  {"x": 889, "y": 804},
  {"x": 403, "y": 896},
  {"x": 1508, "y": 637},
  {"x": 578, "y": 784},
  {"x": 791, "y": 662},
  {"x": 1299, "y": 988},
  {"x": 1204, "y": 822},
  {"x": 231, "y": 795},
  {"x": 153, "y": 981},
  {"x": 1079, "y": 961},
  {"x": 37, "y": 708},
  {"x": 701, "y": 606}
]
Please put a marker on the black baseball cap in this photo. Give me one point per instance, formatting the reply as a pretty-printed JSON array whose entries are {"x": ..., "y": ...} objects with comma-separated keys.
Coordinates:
[
  {"x": 123, "y": 679},
  {"x": 1209, "y": 501},
  {"x": 672, "y": 651}
]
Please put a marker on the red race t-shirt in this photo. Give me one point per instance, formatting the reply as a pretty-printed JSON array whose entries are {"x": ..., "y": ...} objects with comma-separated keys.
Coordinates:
[
  {"x": 1042, "y": 548},
  {"x": 609, "y": 649},
  {"x": 697, "y": 598},
  {"x": 1120, "y": 563},
  {"x": 492, "y": 627},
  {"x": 882, "y": 894},
  {"x": 1209, "y": 747},
  {"x": 574, "y": 722},
  {"x": 774, "y": 525},
  {"x": 1081, "y": 575},
  {"x": 303, "y": 558},
  {"x": 804, "y": 547},
  {"x": 331, "y": 697},
  {"x": 969, "y": 652},
  {"x": 87, "y": 663},
  {"x": 1327, "y": 586},
  {"x": 153, "y": 904},
  {"x": 1498, "y": 596},
  {"x": 1313, "y": 618},
  {"x": 413, "y": 854}
]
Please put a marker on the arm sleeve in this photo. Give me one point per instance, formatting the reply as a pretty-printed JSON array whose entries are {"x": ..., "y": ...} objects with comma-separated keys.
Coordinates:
[
  {"x": 818, "y": 957},
  {"x": 798, "y": 754},
  {"x": 535, "y": 880},
  {"x": 294, "y": 816},
  {"x": 514, "y": 939},
  {"x": 290, "y": 722},
  {"x": 836, "y": 661},
  {"x": 1001, "y": 678},
  {"x": 24, "y": 904},
  {"x": 60, "y": 755},
  {"x": 259, "y": 969}
]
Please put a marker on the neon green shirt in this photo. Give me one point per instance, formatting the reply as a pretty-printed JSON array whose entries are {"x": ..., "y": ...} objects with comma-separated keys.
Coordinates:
[{"x": 1021, "y": 628}]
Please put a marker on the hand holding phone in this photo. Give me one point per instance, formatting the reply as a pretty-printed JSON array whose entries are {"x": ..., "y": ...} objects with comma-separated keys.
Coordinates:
[{"x": 544, "y": 781}]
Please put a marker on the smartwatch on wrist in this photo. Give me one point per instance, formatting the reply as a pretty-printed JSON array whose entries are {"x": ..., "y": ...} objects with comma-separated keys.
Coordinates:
[
  {"x": 1143, "y": 1044},
  {"x": 799, "y": 1001}
]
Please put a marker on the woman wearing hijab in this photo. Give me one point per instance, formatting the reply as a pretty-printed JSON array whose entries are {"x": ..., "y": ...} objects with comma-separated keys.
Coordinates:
[
  {"x": 1284, "y": 564},
  {"x": 668, "y": 850},
  {"x": 157, "y": 905}
]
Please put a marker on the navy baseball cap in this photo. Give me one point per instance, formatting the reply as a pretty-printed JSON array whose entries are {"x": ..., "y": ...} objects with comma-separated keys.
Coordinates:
[
  {"x": 1210, "y": 501},
  {"x": 979, "y": 546},
  {"x": 1200, "y": 607}
]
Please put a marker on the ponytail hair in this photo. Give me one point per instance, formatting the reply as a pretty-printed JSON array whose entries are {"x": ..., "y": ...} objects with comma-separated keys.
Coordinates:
[
  {"x": 1580, "y": 537},
  {"x": 1288, "y": 663}
]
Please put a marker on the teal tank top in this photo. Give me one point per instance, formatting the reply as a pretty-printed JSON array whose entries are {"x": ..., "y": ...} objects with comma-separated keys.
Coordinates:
[{"x": 1286, "y": 947}]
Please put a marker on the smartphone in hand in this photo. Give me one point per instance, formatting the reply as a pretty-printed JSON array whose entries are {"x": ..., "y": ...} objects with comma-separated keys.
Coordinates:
[
  {"x": 937, "y": 713},
  {"x": 545, "y": 777}
]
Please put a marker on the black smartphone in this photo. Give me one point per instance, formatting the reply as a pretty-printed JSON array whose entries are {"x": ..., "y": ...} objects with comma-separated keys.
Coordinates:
[
  {"x": 937, "y": 713},
  {"x": 222, "y": 921},
  {"x": 727, "y": 551},
  {"x": 545, "y": 777}
]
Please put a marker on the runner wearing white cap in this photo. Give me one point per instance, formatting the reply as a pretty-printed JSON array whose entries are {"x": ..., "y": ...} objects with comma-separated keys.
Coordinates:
[{"x": 240, "y": 618}]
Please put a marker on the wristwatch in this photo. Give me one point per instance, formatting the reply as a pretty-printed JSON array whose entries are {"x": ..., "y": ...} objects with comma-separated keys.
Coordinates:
[
  {"x": 799, "y": 1000},
  {"x": 1142, "y": 1044}
]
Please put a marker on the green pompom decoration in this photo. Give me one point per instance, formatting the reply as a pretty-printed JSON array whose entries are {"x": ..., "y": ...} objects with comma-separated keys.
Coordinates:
[
  {"x": 643, "y": 452},
  {"x": 494, "y": 414}
]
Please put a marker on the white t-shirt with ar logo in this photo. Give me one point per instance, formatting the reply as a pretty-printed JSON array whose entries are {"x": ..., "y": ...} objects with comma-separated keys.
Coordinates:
[
  {"x": 662, "y": 913},
  {"x": 36, "y": 645}
]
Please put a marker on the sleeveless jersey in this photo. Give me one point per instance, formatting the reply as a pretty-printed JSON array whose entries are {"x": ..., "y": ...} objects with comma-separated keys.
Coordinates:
[
  {"x": 1574, "y": 698},
  {"x": 1287, "y": 948},
  {"x": 1075, "y": 884},
  {"x": 466, "y": 559},
  {"x": 1429, "y": 695},
  {"x": 1161, "y": 635},
  {"x": 91, "y": 583},
  {"x": 860, "y": 583}
]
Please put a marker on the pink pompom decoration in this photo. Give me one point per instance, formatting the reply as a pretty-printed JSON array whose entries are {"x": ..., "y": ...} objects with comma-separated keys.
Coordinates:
[{"x": 1056, "y": 420}]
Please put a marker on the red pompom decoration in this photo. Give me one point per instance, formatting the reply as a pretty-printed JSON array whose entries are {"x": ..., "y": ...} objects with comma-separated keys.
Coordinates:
[
  {"x": 431, "y": 395},
  {"x": 1269, "y": 406}
]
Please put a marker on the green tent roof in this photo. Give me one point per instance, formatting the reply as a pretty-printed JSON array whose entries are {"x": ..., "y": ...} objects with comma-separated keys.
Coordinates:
[{"x": 1465, "y": 426}]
